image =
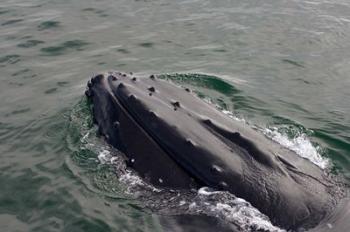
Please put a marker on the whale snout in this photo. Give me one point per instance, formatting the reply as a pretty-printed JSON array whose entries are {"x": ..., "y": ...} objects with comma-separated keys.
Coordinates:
[{"x": 169, "y": 134}]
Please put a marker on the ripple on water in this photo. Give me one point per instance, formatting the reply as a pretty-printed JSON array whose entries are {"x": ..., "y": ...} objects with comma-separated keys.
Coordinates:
[
  {"x": 20, "y": 72},
  {"x": 4, "y": 11},
  {"x": 293, "y": 62},
  {"x": 146, "y": 44},
  {"x": 50, "y": 91},
  {"x": 19, "y": 111},
  {"x": 98, "y": 12},
  {"x": 10, "y": 59},
  {"x": 30, "y": 43},
  {"x": 123, "y": 50},
  {"x": 11, "y": 21},
  {"x": 48, "y": 25},
  {"x": 71, "y": 45}
]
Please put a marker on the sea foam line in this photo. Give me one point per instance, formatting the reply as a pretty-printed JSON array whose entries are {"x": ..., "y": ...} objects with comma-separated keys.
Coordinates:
[{"x": 301, "y": 145}]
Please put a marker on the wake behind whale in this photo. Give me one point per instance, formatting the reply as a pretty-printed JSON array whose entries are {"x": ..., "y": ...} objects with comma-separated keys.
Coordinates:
[{"x": 175, "y": 140}]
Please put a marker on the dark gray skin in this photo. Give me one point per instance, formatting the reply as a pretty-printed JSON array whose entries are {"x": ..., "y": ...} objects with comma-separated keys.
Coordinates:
[{"x": 175, "y": 140}]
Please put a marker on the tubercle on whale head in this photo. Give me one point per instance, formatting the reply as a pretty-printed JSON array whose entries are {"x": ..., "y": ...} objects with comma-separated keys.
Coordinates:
[
  {"x": 88, "y": 93},
  {"x": 97, "y": 79},
  {"x": 152, "y": 89},
  {"x": 118, "y": 77},
  {"x": 113, "y": 78},
  {"x": 175, "y": 104}
]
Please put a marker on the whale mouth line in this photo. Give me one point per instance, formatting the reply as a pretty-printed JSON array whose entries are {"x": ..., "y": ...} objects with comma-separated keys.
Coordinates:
[{"x": 133, "y": 116}]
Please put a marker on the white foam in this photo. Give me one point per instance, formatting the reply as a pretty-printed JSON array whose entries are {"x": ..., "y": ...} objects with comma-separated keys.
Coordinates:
[
  {"x": 204, "y": 191},
  {"x": 231, "y": 115},
  {"x": 130, "y": 179},
  {"x": 227, "y": 112},
  {"x": 134, "y": 183},
  {"x": 104, "y": 156},
  {"x": 181, "y": 203},
  {"x": 84, "y": 138},
  {"x": 301, "y": 145},
  {"x": 232, "y": 209}
]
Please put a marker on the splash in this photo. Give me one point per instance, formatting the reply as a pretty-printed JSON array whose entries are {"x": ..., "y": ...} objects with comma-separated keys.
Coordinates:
[
  {"x": 233, "y": 209},
  {"x": 300, "y": 144}
]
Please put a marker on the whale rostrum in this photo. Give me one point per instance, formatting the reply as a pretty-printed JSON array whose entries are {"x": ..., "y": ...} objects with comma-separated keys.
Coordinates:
[{"x": 167, "y": 133}]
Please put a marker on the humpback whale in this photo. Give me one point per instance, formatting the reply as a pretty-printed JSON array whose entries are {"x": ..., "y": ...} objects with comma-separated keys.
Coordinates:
[{"x": 174, "y": 139}]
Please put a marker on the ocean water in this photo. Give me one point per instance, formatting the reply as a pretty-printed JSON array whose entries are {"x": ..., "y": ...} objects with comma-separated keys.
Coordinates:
[{"x": 283, "y": 67}]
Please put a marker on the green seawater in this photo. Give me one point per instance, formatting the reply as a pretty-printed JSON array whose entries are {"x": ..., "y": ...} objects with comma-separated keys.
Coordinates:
[{"x": 276, "y": 64}]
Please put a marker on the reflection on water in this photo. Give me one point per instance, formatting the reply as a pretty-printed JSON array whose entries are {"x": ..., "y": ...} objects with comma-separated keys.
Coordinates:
[{"x": 286, "y": 62}]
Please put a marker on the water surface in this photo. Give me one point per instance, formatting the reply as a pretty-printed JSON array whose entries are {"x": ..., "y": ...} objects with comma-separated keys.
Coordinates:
[{"x": 287, "y": 64}]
